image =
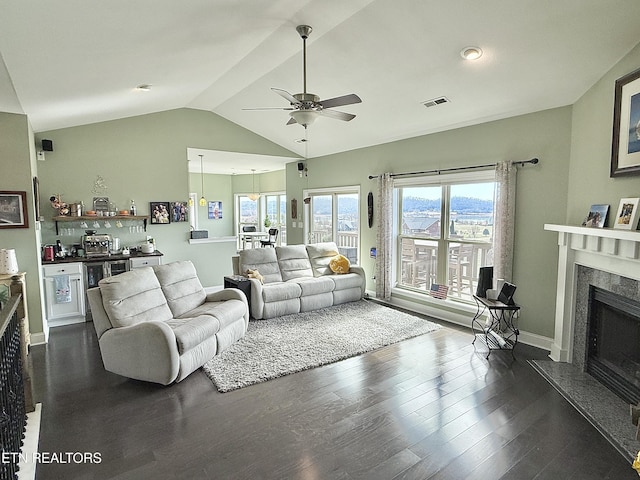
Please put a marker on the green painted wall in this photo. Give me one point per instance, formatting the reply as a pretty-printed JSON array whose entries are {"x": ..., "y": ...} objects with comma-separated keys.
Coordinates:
[
  {"x": 17, "y": 164},
  {"x": 217, "y": 188},
  {"x": 589, "y": 181},
  {"x": 541, "y": 193},
  {"x": 145, "y": 158}
]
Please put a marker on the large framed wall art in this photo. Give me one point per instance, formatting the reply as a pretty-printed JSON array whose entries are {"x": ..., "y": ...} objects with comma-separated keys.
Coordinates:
[{"x": 625, "y": 149}]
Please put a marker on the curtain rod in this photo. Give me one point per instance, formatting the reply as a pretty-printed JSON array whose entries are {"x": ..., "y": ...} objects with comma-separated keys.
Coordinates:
[{"x": 533, "y": 161}]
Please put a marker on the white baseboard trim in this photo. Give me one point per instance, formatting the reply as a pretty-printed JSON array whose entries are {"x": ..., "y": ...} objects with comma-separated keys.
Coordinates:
[
  {"x": 459, "y": 314},
  {"x": 32, "y": 436},
  {"x": 38, "y": 338}
]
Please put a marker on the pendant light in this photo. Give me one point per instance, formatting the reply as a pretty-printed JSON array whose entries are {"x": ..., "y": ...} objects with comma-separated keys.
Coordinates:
[
  {"x": 203, "y": 201},
  {"x": 253, "y": 196}
]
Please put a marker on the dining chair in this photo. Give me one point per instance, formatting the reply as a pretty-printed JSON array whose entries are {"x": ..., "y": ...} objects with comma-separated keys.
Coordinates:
[{"x": 271, "y": 240}]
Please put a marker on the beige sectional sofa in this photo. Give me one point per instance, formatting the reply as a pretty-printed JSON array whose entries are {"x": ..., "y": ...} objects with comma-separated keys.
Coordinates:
[
  {"x": 297, "y": 278},
  {"x": 158, "y": 324}
]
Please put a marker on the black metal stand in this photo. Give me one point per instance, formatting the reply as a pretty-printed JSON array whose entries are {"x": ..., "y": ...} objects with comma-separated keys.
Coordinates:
[{"x": 499, "y": 331}]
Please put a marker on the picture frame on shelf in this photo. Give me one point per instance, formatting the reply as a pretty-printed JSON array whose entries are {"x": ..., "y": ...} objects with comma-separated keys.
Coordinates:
[
  {"x": 214, "y": 210},
  {"x": 13, "y": 209},
  {"x": 597, "y": 216},
  {"x": 160, "y": 214},
  {"x": 625, "y": 149},
  {"x": 627, "y": 216},
  {"x": 179, "y": 212}
]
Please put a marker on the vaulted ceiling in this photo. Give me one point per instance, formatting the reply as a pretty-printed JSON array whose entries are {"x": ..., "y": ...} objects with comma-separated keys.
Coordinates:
[{"x": 72, "y": 62}]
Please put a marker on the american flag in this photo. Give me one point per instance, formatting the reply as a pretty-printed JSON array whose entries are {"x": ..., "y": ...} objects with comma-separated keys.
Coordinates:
[{"x": 439, "y": 291}]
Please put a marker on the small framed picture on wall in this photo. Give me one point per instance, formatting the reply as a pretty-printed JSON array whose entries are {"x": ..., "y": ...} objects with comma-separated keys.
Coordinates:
[
  {"x": 627, "y": 216},
  {"x": 13, "y": 210},
  {"x": 179, "y": 212},
  {"x": 159, "y": 212},
  {"x": 215, "y": 210}
]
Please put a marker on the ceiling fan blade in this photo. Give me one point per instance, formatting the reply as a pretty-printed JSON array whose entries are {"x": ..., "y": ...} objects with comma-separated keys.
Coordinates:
[
  {"x": 270, "y": 108},
  {"x": 287, "y": 96},
  {"x": 346, "y": 117},
  {"x": 340, "y": 101}
]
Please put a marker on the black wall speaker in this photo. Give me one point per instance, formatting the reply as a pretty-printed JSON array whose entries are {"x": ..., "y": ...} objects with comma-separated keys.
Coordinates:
[
  {"x": 47, "y": 145},
  {"x": 485, "y": 281}
]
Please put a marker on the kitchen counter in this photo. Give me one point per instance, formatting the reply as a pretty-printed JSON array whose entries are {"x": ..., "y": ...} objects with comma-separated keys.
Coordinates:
[{"x": 115, "y": 256}]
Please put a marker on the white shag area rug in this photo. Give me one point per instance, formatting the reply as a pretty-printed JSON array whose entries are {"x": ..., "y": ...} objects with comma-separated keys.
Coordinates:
[{"x": 292, "y": 343}]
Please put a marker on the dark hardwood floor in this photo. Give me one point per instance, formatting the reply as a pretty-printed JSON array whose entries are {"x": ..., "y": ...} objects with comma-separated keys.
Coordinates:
[{"x": 429, "y": 407}]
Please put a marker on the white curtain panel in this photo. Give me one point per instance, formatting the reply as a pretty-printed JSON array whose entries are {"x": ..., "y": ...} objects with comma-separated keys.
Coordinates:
[
  {"x": 384, "y": 237},
  {"x": 504, "y": 222}
]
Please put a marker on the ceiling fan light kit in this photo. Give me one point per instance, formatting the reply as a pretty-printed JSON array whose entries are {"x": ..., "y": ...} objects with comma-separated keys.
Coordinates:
[
  {"x": 304, "y": 117},
  {"x": 305, "y": 106}
]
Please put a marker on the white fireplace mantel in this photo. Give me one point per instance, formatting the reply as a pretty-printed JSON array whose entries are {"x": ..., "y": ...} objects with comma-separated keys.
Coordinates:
[{"x": 610, "y": 250}]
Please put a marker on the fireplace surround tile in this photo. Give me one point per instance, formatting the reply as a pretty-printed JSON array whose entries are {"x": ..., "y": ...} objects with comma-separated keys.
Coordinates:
[
  {"x": 608, "y": 413},
  {"x": 587, "y": 276}
]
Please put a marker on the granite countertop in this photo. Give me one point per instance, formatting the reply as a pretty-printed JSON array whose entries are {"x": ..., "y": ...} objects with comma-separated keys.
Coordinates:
[{"x": 116, "y": 256}]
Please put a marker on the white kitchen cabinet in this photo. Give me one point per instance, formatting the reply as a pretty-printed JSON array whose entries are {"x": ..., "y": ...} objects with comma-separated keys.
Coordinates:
[
  {"x": 64, "y": 312},
  {"x": 140, "y": 262}
]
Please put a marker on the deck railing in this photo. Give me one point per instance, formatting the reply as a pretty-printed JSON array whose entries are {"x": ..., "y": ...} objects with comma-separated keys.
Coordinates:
[
  {"x": 13, "y": 416},
  {"x": 344, "y": 239}
]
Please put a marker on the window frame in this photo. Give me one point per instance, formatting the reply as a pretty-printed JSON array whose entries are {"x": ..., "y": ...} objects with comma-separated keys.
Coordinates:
[
  {"x": 444, "y": 241},
  {"x": 333, "y": 192}
]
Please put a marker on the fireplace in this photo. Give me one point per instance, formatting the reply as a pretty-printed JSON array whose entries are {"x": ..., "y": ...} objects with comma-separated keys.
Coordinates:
[
  {"x": 606, "y": 261},
  {"x": 613, "y": 349}
]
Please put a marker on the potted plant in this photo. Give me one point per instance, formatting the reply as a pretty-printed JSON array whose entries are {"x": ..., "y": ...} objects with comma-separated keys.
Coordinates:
[{"x": 267, "y": 222}]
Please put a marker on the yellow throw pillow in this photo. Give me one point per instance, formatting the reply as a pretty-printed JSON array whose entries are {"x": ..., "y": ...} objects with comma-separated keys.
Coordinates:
[{"x": 339, "y": 264}]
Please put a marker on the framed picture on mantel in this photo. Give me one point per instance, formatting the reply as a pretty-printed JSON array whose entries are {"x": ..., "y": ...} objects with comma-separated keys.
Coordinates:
[
  {"x": 625, "y": 149},
  {"x": 627, "y": 216},
  {"x": 597, "y": 216}
]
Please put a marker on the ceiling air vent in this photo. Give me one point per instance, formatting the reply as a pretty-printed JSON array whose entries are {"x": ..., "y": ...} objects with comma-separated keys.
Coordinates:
[{"x": 435, "y": 101}]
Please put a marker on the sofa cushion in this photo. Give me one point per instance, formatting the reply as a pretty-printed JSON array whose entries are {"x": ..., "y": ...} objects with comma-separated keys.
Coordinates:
[
  {"x": 320, "y": 254},
  {"x": 262, "y": 259},
  {"x": 346, "y": 281},
  {"x": 134, "y": 297},
  {"x": 315, "y": 286},
  {"x": 181, "y": 286},
  {"x": 276, "y": 292},
  {"x": 226, "y": 312},
  {"x": 192, "y": 331},
  {"x": 293, "y": 261}
]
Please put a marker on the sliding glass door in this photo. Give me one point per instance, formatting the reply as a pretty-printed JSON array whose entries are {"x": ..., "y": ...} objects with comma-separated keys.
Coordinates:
[{"x": 334, "y": 216}]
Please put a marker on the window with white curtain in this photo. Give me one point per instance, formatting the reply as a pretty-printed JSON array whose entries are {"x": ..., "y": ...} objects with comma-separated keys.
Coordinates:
[{"x": 444, "y": 231}]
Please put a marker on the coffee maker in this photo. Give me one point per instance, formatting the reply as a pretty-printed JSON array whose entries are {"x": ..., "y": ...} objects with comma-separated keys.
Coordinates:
[{"x": 97, "y": 245}]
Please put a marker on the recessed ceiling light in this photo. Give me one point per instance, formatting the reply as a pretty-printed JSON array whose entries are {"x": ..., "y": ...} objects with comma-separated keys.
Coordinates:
[
  {"x": 145, "y": 87},
  {"x": 471, "y": 53}
]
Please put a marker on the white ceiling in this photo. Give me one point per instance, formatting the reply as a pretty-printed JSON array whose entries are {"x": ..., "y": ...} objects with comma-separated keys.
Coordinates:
[{"x": 72, "y": 62}]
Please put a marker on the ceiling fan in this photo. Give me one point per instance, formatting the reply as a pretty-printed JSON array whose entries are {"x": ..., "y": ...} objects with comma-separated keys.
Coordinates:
[{"x": 306, "y": 107}]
